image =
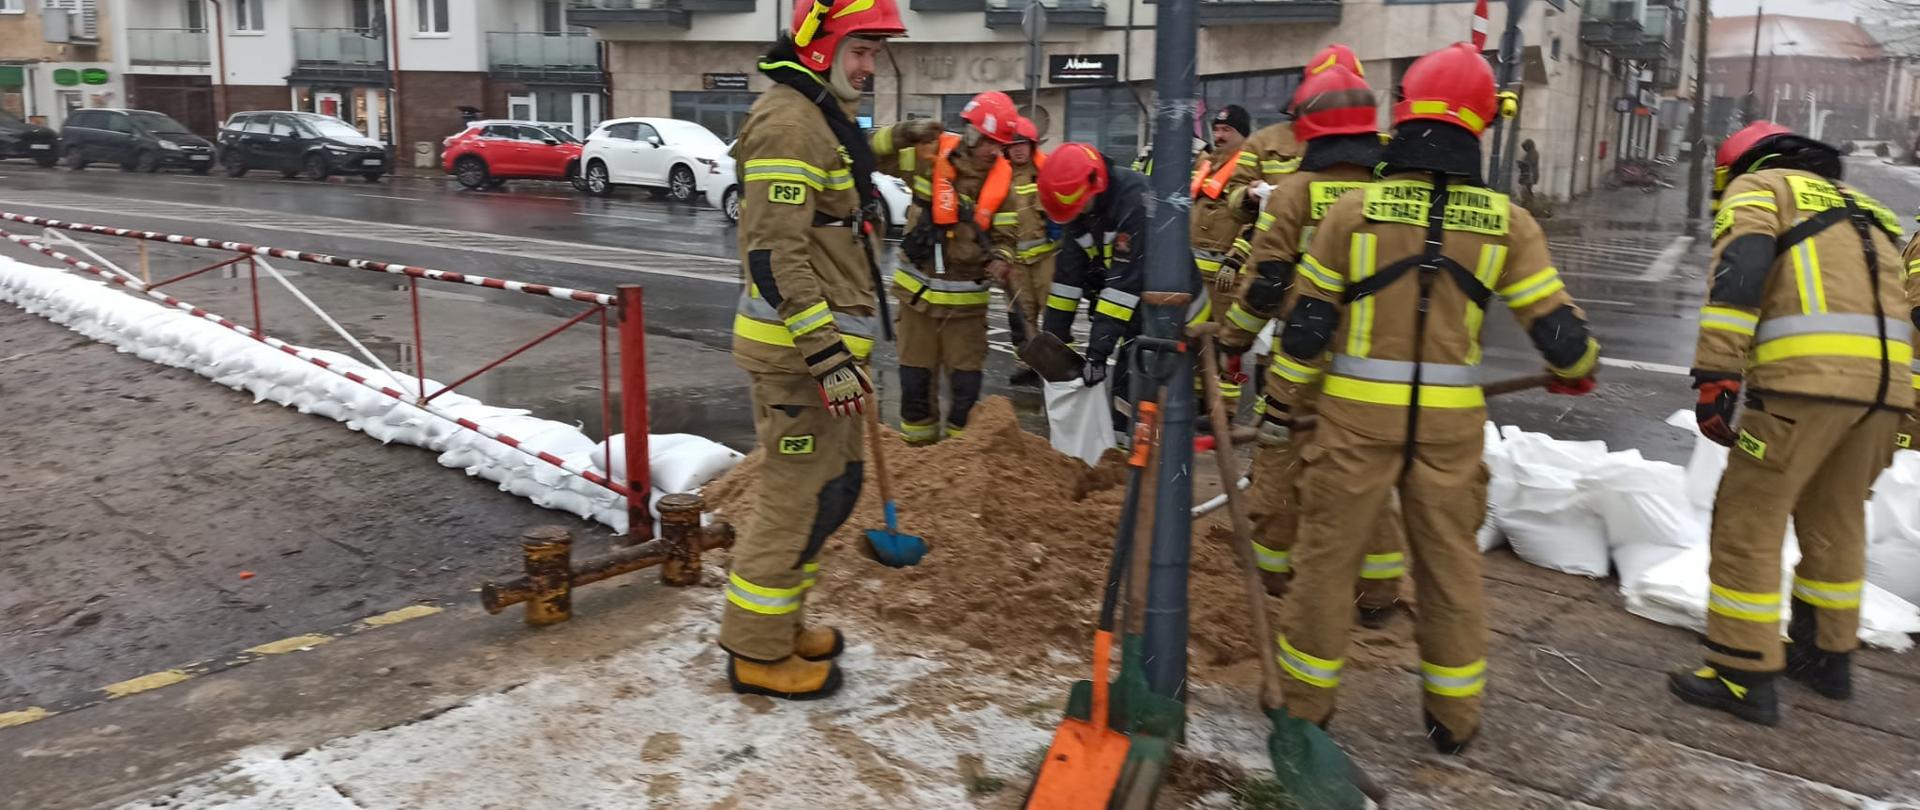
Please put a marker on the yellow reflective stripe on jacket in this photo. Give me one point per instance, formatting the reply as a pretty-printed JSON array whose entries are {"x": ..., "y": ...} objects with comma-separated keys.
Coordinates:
[
  {"x": 770, "y": 169},
  {"x": 1747, "y": 606},
  {"x": 1400, "y": 395},
  {"x": 1264, "y": 222},
  {"x": 1806, "y": 275},
  {"x": 1493, "y": 262},
  {"x": 1583, "y": 366},
  {"x": 776, "y": 335},
  {"x": 1247, "y": 159},
  {"x": 909, "y": 160},
  {"x": 1729, "y": 320},
  {"x": 1027, "y": 189},
  {"x": 1063, "y": 297},
  {"x": 1456, "y": 682},
  {"x": 1034, "y": 249},
  {"x": 1208, "y": 261},
  {"x": 1244, "y": 319},
  {"x": 762, "y": 599},
  {"x": 1291, "y": 370},
  {"x": 1272, "y": 561},
  {"x": 811, "y": 572},
  {"x": 1830, "y": 595},
  {"x": 758, "y": 321},
  {"x": 1117, "y": 304},
  {"x": 1307, "y": 669},
  {"x": 1831, "y": 345},
  {"x": 1384, "y": 566},
  {"x": 922, "y": 186},
  {"x": 1913, "y": 267},
  {"x": 949, "y": 294},
  {"x": 811, "y": 318},
  {"x": 1279, "y": 166},
  {"x": 1532, "y": 288},
  {"x": 1325, "y": 279},
  {"x": 1006, "y": 218},
  {"x": 1362, "y": 255},
  {"x": 1201, "y": 309}
]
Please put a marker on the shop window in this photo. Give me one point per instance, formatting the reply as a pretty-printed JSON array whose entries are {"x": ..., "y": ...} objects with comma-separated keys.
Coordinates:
[
  {"x": 720, "y": 112},
  {"x": 1108, "y": 118}
]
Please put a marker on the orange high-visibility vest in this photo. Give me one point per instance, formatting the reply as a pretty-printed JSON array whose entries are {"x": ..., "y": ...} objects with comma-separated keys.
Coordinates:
[{"x": 1218, "y": 182}]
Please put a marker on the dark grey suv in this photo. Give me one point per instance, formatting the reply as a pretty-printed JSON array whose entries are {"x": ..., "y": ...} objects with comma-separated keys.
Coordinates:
[
  {"x": 299, "y": 144},
  {"x": 22, "y": 139},
  {"x": 137, "y": 140}
]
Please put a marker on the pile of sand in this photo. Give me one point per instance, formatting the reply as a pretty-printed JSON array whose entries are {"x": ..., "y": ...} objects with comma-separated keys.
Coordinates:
[{"x": 1021, "y": 537}]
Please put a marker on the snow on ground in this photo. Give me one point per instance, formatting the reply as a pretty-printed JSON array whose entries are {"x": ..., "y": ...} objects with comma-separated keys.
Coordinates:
[{"x": 655, "y": 726}]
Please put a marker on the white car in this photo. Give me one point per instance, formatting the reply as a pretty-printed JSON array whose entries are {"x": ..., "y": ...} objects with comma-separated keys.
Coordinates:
[
  {"x": 723, "y": 192},
  {"x": 671, "y": 157}
]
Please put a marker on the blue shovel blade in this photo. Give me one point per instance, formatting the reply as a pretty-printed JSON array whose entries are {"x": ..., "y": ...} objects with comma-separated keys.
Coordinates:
[{"x": 896, "y": 550}]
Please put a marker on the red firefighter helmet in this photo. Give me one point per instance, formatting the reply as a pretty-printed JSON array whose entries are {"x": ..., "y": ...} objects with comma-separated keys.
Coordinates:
[
  {"x": 994, "y": 114},
  {"x": 1027, "y": 131},
  {"x": 1335, "y": 55},
  {"x": 1735, "y": 149},
  {"x": 1075, "y": 173},
  {"x": 1334, "y": 101},
  {"x": 818, "y": 26},
  {"x": 1453, "y": 84}
]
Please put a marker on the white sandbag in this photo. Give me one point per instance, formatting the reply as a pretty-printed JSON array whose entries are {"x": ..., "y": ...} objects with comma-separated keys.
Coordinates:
[
  {"x": 677, "y": 462},
  {"x": 1500, "y": 488},
  {"x": 1643, "y": 502},
  {"x": 1547, "y": 519},
  {"x": 1263, "y": 343},
  {"x": 1706, "y": 464},
  {"x": 1675, "y": 593},
  {"x": 1080, "y": 419}
]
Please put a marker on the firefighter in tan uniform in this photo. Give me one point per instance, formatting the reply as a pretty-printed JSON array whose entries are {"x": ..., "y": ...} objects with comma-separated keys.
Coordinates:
[
  {"x": 1395, "y": 284},
  {"x": 944, "y": 274},
  {"x": 1275, "y": 147},
  {"x": 1809, "y": 314},
  {"x": 1024, "y": 242},
  {"x": 1218, "y": 232},
  {"x": 805, "y": 325},
  {"x": 1910, "y": 426},
  {"x": 1334, "y": 115}
]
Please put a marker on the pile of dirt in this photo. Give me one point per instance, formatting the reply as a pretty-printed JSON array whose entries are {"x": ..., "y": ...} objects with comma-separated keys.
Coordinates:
[{"x": 1021, "y": 537}]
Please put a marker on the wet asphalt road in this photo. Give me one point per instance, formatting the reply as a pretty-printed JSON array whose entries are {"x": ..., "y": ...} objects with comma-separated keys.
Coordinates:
[{"x": 1624, "y": 256}]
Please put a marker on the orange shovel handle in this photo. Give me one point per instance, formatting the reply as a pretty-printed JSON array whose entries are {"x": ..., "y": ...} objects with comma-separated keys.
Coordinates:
[{"x": 1102, "y": 648}]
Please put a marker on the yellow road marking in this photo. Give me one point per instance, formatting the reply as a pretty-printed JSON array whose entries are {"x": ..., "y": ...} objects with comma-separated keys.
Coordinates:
[
  {"x": 404, "y": 614},
  {"x": 145, "y": 682},
  {"x": 294, "y": 644},
  {"x": 24, "y": 716}
]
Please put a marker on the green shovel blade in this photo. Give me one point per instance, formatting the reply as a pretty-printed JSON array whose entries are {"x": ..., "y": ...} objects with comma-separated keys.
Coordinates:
[{"x": 1309, "y": 766}]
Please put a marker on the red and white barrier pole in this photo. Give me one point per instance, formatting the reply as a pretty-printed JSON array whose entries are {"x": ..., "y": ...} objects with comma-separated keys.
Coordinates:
[{"x": 633, "y": 406}]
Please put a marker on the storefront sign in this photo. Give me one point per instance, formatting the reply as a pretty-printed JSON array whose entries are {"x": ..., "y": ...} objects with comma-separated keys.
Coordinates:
[
  {"x": 93, "y": 76},
  {"x": 1073, "y": 68},
  {"x": 1623, "y": 104},
  {"x": 66, "y": 77},
  {"x": 723, "y": 81}
]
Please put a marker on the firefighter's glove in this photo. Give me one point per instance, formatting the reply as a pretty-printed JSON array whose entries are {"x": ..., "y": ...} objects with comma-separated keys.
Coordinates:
[
  {"x": 1095, "y": 372},
  {"x": 845, "y": 388},
  {"x": 1269, "y": 286},
  {"x": 1714, "y": 410},
  {"x": 1573, "y": 388},
  {"x": 917, "y": 131},
  {"x": 1257, "y": 193},
  {"x": 1274, "y": 433}
]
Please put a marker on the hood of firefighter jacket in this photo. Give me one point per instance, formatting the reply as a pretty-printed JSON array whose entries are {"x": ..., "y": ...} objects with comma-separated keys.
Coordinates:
[
  {"x": 1333, "y": 150},
  {"x": 1434, "y": 146}
]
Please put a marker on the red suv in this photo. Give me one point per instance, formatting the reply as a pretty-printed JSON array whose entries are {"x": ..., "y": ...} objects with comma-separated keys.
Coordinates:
[{"x": 489, "y": 153}]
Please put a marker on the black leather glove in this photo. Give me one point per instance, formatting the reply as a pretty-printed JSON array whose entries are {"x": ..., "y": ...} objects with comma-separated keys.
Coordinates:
[
  {"x": 1269, "y": 287},
  {"x": 1095, "y": 373}
]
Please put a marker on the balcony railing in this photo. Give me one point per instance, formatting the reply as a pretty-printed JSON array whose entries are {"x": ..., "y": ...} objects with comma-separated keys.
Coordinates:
[
  {"x": 1229, "y": 12},
  {"x": 544, "y": 57},
  {"x": 1617, "y": 23},
  {"x": 167, "y": 46},
  {"x": 1075, "y": 13},
  {"x": 649, "y": 12},
  {"x": 339, "y": 52}
]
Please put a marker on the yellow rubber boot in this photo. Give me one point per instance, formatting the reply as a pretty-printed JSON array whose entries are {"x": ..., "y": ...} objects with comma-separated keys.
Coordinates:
[
  {"x": 818, "y": 643},
  {"x": 793, "y": 678}
]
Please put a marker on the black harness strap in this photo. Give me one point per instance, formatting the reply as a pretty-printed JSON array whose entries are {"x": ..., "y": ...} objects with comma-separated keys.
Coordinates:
[
  {"x": 1864, "y": 224},
  {"x": 1809, "y": 228},
  {"x": 1430, "y": 257}
]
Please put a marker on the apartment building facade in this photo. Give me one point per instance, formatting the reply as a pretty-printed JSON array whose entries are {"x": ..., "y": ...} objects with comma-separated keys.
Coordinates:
[
  {"x": 694, "y": 59},
  {"x": 56, "y": 56},
  {"x": 408, "y": 72}
]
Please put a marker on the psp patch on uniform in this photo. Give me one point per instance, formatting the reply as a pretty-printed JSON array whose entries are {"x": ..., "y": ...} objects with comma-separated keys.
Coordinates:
[
  {"x": 796, "y": 445},
  {"x": 1903, "y": 441},
  {"x": 789, "y": 193},
  {"x": 1753, "y": 447}
]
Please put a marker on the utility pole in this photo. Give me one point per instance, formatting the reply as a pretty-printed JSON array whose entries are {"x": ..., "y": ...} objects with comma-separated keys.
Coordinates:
[
  {"x": 1753, "y": 65},
  {"x": 1696, "y": 125},
  {"x": 1509, "y": 76},
  {"x": 1171, "y": 285},
  {"x": 1033, "y": 23}
]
